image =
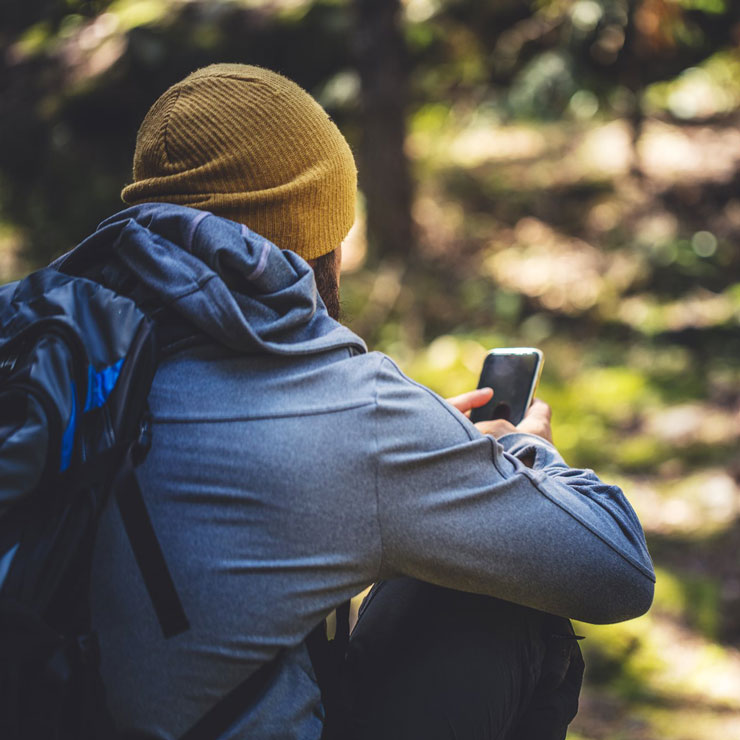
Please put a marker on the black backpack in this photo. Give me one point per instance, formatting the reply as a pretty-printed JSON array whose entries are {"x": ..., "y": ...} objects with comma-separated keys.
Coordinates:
[{"x": 76, "y": 365}]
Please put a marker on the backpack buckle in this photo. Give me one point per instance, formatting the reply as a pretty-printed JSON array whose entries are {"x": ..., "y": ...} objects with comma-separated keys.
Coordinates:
[{"x": 143, "y": 441}]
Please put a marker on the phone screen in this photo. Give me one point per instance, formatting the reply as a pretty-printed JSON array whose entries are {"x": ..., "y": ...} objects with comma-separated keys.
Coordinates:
[{"x": 513, "y": 375}]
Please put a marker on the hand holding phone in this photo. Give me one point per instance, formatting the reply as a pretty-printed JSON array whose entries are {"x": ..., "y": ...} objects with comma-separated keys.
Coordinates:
[{"x": 513, "y": 373}]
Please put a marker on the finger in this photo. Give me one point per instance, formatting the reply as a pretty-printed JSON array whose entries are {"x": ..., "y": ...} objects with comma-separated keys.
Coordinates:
[
  {"x": 496, "y": 428},
  {"x": 537, "y": 420},
  {"x": 539, "y": 409},
  {"x": 472, "y": 399}
]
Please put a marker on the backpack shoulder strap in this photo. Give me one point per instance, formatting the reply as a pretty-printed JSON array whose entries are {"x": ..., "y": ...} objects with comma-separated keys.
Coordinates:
[
  {"x": 327, "y": 657},
  {"x": 147, "y": 550},
  {"x": 227, "y": 710}
]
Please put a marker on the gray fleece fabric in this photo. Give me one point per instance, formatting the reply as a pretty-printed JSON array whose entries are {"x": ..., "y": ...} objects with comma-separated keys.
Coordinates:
[{"x": 290, "y": 469}]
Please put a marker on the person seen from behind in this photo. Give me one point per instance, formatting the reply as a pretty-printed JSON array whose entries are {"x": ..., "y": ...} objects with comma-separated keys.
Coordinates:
[{"x": 291, "y": 469}]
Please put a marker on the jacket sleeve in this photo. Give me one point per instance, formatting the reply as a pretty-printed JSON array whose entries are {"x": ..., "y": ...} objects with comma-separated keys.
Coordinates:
[{"x": 459, "y": 509}]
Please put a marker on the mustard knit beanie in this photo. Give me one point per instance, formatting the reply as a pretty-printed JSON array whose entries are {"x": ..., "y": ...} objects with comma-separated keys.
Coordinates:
[{"x": 250, "y": 145}]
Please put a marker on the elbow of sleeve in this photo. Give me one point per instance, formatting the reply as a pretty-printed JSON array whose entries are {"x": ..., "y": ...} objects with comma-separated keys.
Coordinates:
[
  {"x": 626, "y": 595},
  {"x": 644, "y": 599}
]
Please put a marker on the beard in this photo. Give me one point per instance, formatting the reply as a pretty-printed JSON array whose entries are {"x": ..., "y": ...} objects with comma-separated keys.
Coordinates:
[{"x": 326, "y": 271}]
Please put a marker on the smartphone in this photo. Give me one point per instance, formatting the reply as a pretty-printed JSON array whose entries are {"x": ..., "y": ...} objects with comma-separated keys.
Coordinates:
[{"x": 513, "y": 373}]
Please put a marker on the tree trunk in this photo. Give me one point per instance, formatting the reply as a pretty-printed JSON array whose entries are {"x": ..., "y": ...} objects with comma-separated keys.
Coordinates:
[{"x": 383, "y": 167}]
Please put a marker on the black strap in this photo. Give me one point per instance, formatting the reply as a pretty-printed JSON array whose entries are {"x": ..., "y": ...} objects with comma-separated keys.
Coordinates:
[
  {"x": 327, "y": 658},
  {"x": 228, "y": 710},
  {"x": 147, "y": 551}
]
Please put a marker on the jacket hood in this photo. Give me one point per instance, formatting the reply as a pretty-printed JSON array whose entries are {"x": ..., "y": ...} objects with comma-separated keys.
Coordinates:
[{"x": 231, "y": 283}]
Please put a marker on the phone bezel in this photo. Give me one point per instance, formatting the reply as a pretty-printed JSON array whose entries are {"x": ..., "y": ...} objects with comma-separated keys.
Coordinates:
[{"x": 519, "y": 351}]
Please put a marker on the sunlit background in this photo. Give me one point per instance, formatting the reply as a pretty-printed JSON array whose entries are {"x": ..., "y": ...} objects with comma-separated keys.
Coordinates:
[{"x": 558, "y": 173}]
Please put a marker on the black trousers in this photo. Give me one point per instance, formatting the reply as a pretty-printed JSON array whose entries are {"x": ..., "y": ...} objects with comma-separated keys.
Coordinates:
[{"x": 432, "y": 663}]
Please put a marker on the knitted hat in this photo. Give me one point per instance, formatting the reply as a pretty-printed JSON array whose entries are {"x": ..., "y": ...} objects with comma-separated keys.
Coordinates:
[{"x": 250, "y": 145}]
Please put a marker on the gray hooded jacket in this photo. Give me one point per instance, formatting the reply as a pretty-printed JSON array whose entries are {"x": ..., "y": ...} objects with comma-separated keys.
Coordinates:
[{"x": 290, "y": 469}]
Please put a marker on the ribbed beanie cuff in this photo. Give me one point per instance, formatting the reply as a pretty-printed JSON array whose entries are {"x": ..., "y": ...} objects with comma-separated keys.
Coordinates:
[{"x": 250, "y": 145}]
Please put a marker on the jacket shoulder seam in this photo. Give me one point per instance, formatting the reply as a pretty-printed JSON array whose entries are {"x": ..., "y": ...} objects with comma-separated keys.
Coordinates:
[
  {"x": 624, "y": 555},
  {"x": 258, "y": 417}
]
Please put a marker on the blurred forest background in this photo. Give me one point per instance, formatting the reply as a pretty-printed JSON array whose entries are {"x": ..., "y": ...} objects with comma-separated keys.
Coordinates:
[{"x": 558, "y": 173}]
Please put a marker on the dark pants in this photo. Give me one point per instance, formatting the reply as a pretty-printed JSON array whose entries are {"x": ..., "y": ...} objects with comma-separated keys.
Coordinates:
[{"x": 432, "y": 663}]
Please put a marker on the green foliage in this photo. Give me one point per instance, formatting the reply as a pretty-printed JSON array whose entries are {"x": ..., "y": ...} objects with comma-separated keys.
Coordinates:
[
  {"x": 544, "y": 87},
  {"x": 717, "y": 7},
  {"x": 623, "y": 658},
  {"x": 708, "y": 89},
  {"x": 693, "y": 598}
]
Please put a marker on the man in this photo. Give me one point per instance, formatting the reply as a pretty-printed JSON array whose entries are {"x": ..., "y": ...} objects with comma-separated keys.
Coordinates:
[{"x": 290, "y": 469}]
